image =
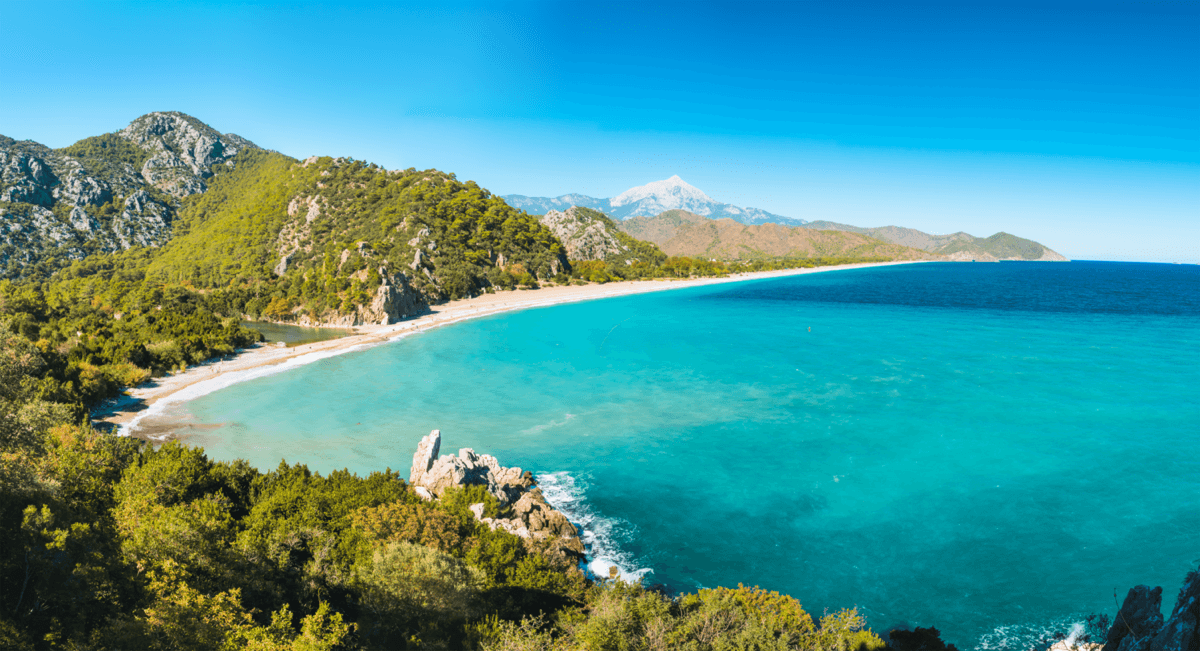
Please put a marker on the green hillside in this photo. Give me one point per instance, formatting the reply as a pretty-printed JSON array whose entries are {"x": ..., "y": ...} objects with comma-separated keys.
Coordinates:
[{"x": 318, "y": 239}]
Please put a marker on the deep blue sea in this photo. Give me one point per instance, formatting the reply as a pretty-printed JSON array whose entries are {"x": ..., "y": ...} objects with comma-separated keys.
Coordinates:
[{"x": 992, "y": 449}]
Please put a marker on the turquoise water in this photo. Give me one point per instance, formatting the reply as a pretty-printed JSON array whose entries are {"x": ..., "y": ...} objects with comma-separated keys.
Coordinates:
[{"x": 992, "y": 449}]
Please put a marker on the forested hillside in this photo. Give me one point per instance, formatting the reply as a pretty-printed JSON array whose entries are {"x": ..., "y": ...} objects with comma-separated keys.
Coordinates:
[{"x": 342, "y": 241}]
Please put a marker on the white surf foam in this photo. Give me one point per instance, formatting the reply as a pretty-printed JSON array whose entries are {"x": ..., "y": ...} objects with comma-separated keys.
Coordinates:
[
  {"x": 601, "y": 535},
  {"x": 1024, "y": 637}
]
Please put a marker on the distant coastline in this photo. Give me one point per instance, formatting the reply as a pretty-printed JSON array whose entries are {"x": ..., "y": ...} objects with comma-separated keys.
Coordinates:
[{"x": 137, "y": 412}]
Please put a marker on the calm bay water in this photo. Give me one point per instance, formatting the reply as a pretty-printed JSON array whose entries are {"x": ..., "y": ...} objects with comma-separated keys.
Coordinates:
[{"x": 988, "y": 448}]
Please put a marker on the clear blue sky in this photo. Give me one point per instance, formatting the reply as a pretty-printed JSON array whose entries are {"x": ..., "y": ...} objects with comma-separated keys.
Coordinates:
[{"x": 1075, "y": 124}]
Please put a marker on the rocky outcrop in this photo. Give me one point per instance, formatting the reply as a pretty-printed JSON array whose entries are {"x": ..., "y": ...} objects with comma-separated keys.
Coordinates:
[
  {"x": 1139, "y": 624},
  {"x": 532, "y": 517},
  {"x": 585, "y": 233},
  {"x": 1139, "y": 618},
  {"x": 183, "y": 150},
  {"x": 1182, "y": 629}
]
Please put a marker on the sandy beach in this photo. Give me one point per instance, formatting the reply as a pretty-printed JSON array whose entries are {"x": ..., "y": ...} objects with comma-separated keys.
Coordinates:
[{"x": 135, "y": 413}]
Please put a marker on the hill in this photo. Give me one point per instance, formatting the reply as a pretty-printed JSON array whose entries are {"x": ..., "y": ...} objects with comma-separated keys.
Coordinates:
[
  {"x": 342, "y": 241},
  {"x": 956, "y": 246},
  {"x": 590, "y": 235},
  {"x": 678, "y": 232},
  {"x": 651, "y": 199},
  {"x": 105, "y": 193}
]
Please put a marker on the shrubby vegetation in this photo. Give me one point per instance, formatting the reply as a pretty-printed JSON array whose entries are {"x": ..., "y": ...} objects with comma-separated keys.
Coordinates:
[
  {"x": 598, "y": 271},
  {"x": 98, "y": 327}
]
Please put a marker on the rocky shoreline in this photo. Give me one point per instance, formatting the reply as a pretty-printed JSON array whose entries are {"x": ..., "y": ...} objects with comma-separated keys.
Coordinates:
[{"x": 522, "y": 508}]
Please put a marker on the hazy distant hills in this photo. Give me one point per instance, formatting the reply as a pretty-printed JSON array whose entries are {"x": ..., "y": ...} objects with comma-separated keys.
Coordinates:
[
  {"x": 956, "y": 246},
  {"x": 675, "y": 194},
  {"x": 651, "y": 199},
  {"x": 678, "y": 232}
]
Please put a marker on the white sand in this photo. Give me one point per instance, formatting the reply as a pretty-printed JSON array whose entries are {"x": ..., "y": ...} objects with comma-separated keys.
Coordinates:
[{"x": 151, "y": 399}]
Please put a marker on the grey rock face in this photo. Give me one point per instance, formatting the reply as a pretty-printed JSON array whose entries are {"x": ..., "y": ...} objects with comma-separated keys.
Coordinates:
[
  {"x": 143, "y": 222},
  {"x": 183, "y": 150},
  {"x": 26, "y": 179},
  {"x": 1182, "y": 629},
  {"x": 584, "y": 237},
  {"x": 1138, "y": 620},
  {"x": 427, "y": 454}
]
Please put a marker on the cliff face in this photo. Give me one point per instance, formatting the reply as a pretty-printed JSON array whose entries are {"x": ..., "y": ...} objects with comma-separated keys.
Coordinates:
[
  {"x": 104, "y": 193},
  {"x": 1139, "y": 624}
]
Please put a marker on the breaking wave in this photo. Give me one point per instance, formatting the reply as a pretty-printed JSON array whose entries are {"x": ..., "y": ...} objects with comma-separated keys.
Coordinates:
[{"x": 601, "y": 535}]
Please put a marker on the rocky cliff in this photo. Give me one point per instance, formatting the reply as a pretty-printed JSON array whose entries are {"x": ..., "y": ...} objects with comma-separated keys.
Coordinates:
[
  {"x": 104, "y": 193},
  {"x": 1139, "y": 624},
  {"x": 529, "y": 515}
]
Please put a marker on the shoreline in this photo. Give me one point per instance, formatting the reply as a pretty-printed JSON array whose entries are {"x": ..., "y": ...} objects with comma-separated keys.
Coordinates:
[{"x": 124, "y": 415}]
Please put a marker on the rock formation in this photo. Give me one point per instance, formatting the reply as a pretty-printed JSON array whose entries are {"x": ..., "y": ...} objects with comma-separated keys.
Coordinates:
[
  {"x": 1139, "y": 618},
  {"x": 1139, "y": 624},
  {"x": 532, "y": 517},
  {"x": 585, "y": 236}
]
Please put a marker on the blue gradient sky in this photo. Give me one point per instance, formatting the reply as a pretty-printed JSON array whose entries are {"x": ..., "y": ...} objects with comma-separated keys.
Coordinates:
[{"x": 1075, "y": 124}]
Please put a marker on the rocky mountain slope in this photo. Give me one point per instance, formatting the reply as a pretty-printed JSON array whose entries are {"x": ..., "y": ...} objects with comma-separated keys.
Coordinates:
[
  {"x": 590, "y": 235},
  {"x": 956, "y": 246},
  {"x": 651, "y": 199},
  {"x": 678, "y": 232},
  {"x": 104, "y": 193}
]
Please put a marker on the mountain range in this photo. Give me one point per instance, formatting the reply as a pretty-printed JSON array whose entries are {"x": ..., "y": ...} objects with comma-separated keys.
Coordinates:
[
  {"x": 649, "y": 200},
  {"x": 675, "y": 194}
]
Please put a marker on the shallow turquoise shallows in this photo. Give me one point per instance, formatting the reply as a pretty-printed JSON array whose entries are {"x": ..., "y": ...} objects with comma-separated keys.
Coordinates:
[{"x": 991, "y": 449}]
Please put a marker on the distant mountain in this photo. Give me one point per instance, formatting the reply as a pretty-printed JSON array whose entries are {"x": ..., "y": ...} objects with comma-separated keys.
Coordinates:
[
  {"x": 678, "y": 232},
  {"x": 104, "y": 193},
  {"x": 956, "y": 246},
  {"x": 649, "y": 200}
]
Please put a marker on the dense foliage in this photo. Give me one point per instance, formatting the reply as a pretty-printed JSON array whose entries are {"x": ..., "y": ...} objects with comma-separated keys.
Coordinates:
[
  {"x": 343, "y": 226},
  {"x": 98, "y": 326}
]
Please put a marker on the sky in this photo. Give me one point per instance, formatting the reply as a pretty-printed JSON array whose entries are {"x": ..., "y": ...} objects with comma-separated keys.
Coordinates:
[{"x": 1076, "y": 124}]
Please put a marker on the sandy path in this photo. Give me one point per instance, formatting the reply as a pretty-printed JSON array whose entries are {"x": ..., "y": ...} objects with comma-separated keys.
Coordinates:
[{"x": 147, "y": 400}]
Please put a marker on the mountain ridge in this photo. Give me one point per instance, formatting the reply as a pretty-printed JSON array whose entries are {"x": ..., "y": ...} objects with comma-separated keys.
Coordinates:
[
  {"x": 651, "y": 199},
  {"x": 104, "y": 193},
  {"x": 678, "y": 232}
]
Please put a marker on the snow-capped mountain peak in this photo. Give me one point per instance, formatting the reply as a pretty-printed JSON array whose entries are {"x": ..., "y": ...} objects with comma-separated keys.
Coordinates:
[{"x": 668, "y": 194}]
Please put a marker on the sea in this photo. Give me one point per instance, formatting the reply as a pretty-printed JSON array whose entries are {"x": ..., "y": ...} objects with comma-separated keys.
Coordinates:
[{"x": 996, "y": 450}]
